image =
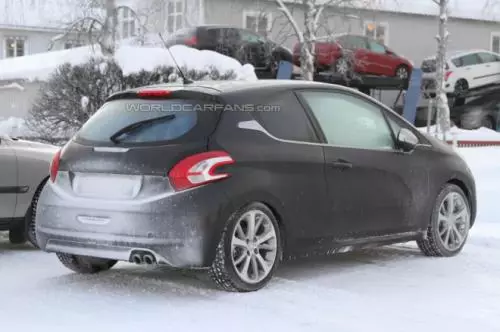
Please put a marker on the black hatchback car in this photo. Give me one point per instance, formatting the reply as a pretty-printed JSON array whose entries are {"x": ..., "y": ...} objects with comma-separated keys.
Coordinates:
[
  {"x": 243, "y": 45},
  {"x": 234, "y": 176}
]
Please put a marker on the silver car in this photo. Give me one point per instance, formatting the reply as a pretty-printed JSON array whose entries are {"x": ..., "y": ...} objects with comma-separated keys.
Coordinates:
[{"x": 24, "y": 169}]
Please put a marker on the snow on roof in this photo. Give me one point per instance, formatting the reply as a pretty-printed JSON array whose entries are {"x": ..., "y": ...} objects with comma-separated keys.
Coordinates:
[
  {"x": 484, "y": 10},
  {"x": 130, "y": 58},
  {"x": 37, "y": 13},
  {"x": 55, "y": 14}
]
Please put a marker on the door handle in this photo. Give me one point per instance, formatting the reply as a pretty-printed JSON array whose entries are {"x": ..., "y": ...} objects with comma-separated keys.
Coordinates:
[{"x": 341, "y": 164}]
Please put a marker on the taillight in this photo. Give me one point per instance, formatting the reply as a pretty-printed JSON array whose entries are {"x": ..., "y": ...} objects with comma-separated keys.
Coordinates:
[
  {"x": 191, "y": 41},
  {"x": 199, "y": 169},
  {"x": 153, "y": 93},
  {"x": 447, "y": 75},
  {"x": 54, "y": 166}
]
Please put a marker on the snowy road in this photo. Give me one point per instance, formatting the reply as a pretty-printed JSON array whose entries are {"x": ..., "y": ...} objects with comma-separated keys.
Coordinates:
[{"x": 388, "y": 289}]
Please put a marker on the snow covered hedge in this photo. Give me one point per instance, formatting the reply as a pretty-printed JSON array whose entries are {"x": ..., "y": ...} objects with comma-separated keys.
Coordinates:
[{"x": 73, "y": 93}]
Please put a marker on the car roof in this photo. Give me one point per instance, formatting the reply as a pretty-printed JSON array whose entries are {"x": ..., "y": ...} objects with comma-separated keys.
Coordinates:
[
  {"x": 229, "y": 86},
  {"x": 457, "y": 53}
]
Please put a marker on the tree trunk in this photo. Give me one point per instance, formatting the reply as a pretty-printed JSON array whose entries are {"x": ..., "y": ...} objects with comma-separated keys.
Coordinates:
[
  {"x": 308, "y": 47},
  {"x": 441, "y": 99},
  {"x": 108, "y": 38}
]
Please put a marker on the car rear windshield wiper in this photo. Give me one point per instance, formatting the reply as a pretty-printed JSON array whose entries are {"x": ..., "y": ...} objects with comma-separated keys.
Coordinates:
[{"x": 138, "y": 125}]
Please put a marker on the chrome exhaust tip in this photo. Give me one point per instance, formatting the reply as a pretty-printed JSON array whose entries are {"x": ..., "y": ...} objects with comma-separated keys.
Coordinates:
[
  {"x": 137, "y": 259},
  {"x": 149, "y": 259}
]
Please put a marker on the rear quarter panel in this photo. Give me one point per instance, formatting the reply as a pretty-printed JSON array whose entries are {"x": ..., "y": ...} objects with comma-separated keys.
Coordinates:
[{"x": 286, "y": 177}]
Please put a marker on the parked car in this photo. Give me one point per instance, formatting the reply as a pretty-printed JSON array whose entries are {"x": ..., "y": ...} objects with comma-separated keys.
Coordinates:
[
  {"x": 234, "y": 191},
  {"x": 482, "y": 111},
  {"x": 345, "y": 53},
  {"x": 24, "y": 169},
  {"x": 241, "y": 44},
  {"x": 465, "y": 71}
]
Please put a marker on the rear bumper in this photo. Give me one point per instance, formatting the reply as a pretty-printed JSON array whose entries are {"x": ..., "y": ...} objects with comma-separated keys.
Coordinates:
[
  {"x": 180, "y": 230},
  {"x": 172, "y": 252}
]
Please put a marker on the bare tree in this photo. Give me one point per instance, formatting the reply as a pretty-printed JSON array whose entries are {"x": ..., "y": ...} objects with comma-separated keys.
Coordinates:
[
  {"x": 442, "y": 41},
  {"x": 98, "y": 23}
]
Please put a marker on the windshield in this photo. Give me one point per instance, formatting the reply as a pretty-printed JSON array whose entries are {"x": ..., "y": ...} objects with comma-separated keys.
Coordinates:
[{"x": 142, "y": 121}]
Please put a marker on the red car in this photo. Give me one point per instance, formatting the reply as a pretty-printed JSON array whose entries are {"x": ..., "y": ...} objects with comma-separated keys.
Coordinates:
[{"x": 347, "y": 53}]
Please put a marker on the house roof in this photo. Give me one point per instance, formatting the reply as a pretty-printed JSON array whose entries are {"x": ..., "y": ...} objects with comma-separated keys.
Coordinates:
[
  {"x": 46, "y": 14},
  {"x": 483, "y": 10}
]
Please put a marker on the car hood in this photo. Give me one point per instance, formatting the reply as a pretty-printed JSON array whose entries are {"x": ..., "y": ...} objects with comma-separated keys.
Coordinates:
[{"x": 439, "y": 145}]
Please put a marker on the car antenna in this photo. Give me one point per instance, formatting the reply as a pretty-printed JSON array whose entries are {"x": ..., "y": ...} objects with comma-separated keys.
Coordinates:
[{"x": 185, "y": 80}]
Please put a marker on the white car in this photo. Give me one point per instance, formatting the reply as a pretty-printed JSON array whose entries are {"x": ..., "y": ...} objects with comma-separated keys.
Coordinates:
[{"x": 465, "y": 70}]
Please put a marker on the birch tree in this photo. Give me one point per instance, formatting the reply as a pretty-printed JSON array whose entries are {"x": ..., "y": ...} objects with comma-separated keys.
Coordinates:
[
  {"x": 442, "y": 41},
  {"x": 313, "y": 12}
]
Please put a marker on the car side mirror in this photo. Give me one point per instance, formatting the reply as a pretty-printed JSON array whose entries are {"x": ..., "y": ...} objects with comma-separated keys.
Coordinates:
[{"x": 406, "y": 140}]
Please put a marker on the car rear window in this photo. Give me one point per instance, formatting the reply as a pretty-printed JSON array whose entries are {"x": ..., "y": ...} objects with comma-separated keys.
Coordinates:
[{"x": 176, "y": 121}]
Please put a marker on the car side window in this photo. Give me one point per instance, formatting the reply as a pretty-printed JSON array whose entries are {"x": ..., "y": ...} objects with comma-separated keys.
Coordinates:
[
  {"x": 376, "y": 47},
  {"x": 470, "y": 60},
  {"x": 284, "y": 117},
  {"x": 214, "y": 36},
  {"x": 250, "y": 37},
  {"x": 349, "y": 121},
  {"x": 487, "y": 57},
  {"x": 352, "y": 42}
]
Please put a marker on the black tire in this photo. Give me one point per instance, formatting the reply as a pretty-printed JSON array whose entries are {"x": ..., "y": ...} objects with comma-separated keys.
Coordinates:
[
  {"x": 223, "y": 272},
  {"x": 432, "y": 244},
  {"x": 85, "y": 265},
  {"x": 488, "y": 122},
  {"x": 17, "y": 234},
  {"x": 461, "y": 89},
  {"x": 31, "y": 215}
]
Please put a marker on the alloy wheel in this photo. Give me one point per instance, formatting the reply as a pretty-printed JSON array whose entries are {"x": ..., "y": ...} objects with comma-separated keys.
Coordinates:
[
  {"x": 342, "y": 67},
  {"x": 402, "y": 73},
  {"x": 453, "y": 221},
  {"x": 254, "y": 246}
]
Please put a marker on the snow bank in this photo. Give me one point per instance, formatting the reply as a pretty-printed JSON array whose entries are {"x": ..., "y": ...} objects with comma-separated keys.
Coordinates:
[
  {"x": 481, "y": 134},
  {"x": 130, "y": 58}
]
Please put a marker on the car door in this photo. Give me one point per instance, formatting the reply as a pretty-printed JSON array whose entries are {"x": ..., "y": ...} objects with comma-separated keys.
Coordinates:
[
  {"x": 8, "y": 180},
  {"x": 288, "y": 155},
  {"x": 371, "y": 184},
  {"x": 491, "y": 68},
  {"x": 380, "y": 62},
  {"x": 255, "y": 49},
  {"x": 356, "y": 49},
  {"x": 472, "y": 69}
]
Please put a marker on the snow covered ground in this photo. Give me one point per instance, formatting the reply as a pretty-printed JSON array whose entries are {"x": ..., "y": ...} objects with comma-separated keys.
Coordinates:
[{"x": 387, "y": 289}]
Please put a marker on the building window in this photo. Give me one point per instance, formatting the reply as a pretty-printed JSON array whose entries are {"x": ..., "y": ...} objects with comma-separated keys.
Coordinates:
[
  {"x": 15, "y": 46},
  {"x": 127, "y": 23},
  {"x": 258, "y": 22},
  {"x": 495, "y": 42},
  {"x": 175, "y": 15},
  {"x": 377, "y": 31},
  {"x": 72, "y": 44}
]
